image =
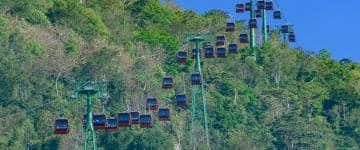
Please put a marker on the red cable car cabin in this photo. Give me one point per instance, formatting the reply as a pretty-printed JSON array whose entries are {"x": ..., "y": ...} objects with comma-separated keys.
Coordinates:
[
  {"x": 230, "y": 27},
  {"x": 284, "y": 29},
  {"x": 135, "y": 117},
  {"x": 112, "y": 124},
  {"x": 151, "y": 103},
  {"x": 260, "y": 4},
  {"x": 99, "y": 121},
  {"x": 269, "y": 5},
  {"x": 258, "y": 13},
  {"x": 277, "y": 14},
  {"x": 292, "y": 37},
  {"x": 145, "y": 121},
  {"x": 240, "y": 8},
  {"x": 253, "y": 23},
  {"x": 244, "y": 38},
  {"x": 209, "y": 52},
  {"x": 220, "y": 40},
  {"x": 61, "y": 126},
  {"x": 182, "y": 56},
  {"x": 247, "y": 6},
  {"x": 221, "y": 52},
  {"x": 196, "y": 79},
  {"x": 232, "y": 48},
  {"x": 168, "y": 82},
  {"x": 181, "y": 100},
  {"x": 193, "y": 52},
  {"x": 124, "y": 119},
  {"x": 164, "y": 114}
]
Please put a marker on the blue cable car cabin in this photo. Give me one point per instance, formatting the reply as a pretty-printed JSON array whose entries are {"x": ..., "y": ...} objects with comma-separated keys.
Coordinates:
[
  {"x": 220, "y": 40},
  {"x": 151, "y": 103},
  {"x": 260, "y": 4},
  {"x": 145, "y": 121},
  {"x": 207, "y": 44},
  {"x": 168, "y": 82},
  {"x": 244, "y": 38},
  {"x": 284, "y": 29},
  {"x": 112, "y": 124},
  {"x": 182, "y": 56},
  {"x": 253, "y": 23},
  {"x": 258, "y": 13},
  {"x": 61, "y": 126},
  {"x": 247, "y": 6},
  {"x": 233, "y": 48},
  {"x": 269, "y": 5},
  {"x": 209, "y": 52},
  {"x": 268, "y": 28},
  {"x": 277, "y": 14},
  {"x": 135, "y": 117},
  {"x": 164, "y": 114},
  {"x": 240, "y": 8},
  {"x": 181, "y": 100},
  {"x": 196, "y": 79},
  {"x": 221, "y": 52},
  {"x": 99, "y": 121},
  {"x": 230, "y": 27},
  {"x": 193, "y": 52},
  {"x": 292, "y": 37},
  {"x": 124, "y": 119}
]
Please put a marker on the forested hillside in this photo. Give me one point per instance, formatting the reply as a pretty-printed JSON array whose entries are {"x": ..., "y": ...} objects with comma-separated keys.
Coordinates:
[{"x": 289, "y": 98}]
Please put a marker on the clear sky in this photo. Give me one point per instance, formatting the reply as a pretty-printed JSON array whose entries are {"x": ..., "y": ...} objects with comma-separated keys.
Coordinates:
[{"x": 330, "y": 24}]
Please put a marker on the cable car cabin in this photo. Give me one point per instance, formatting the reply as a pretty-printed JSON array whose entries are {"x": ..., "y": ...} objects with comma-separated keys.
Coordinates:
[
  {"x": 112, "y": 124},
  {"x": 284, "y": 29},
  {"x": 220, "y": 40},
  {"x": 124, "y": 119},
  {"x": 182, "y": 56},
  {"x": 196, "y": 79},
  {"x": 269, "y": 5},
  {"x": 135, "y": 117},
  {"x": 61, "y": 126},
  {"x": 209, "y": 52},
  {"x": 277, "y": 14},
  {"x": 99, "y": 121},
  {"x": 258, "y": 13},
  {"x": 292, "y": 37},
  {"x": 260, "y": 4},
  {"x": 168, "y": 83},
  {"x": 247, "y": 6},
  {"x": 221, "y": 52},
  {"x": 145, "y": 121},
  {"x": 207, "y": 44},
  {"x": 240, "y": 8},
  {"x": 181, "y": 100},
  {"x": 164, "y": 114},
  {"x": 151, "y": 103},
  {"x": 232, "y": 48},
  {"x": 230, "y": 27},
  {"x": 193, "y": 52},
  {"x": 244, "y": 38},
  {"x": 84, "y": 121},
  {"x": 268, "y": 28},
  {"x": 252, "y": 23}
]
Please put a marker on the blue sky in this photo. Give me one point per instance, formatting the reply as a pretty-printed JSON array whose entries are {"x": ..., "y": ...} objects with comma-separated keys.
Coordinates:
[{"x": 330, "y": 24}]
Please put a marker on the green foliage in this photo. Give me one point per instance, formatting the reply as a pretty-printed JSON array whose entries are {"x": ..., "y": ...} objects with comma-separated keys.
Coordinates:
[
  {"x": 4, "y": 31},
  {"x": 37, "y": 17},
  {"x": 72, "y": 46},
  {"x": 34, "y": 48}
]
